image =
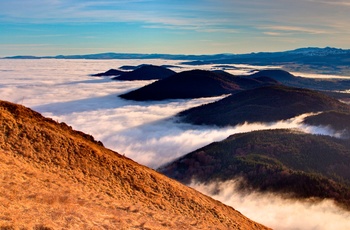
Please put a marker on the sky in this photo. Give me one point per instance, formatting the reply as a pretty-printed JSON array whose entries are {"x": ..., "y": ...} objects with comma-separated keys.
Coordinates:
[{"x": 53, "y": 27}]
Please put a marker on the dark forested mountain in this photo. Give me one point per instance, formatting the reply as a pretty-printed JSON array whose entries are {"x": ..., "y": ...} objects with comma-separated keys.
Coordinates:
[
  {"x": 141, "y": 72},
  {"x": 146, "y": 72},
  {"x": 194, "y": 84},
  {"x": 277, "y": 74},
  {"x": 54, "y": 177},
  {"x": 111, "y": 72},
  {"x": 285, "y": 161},
  {"x": 265, "y": 104}
]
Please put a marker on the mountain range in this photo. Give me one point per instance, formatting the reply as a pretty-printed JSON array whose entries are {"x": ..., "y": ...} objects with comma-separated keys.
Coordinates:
[
  {"x": 308, "y": 52},
  {"x": 326, "y": 60},
  {"x": 54, "y": 177}
]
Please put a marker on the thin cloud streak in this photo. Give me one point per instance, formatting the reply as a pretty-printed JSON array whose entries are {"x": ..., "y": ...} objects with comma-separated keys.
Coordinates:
[
  {"x": 334, "y": 2},
  {"x": 295, "y": 29}
]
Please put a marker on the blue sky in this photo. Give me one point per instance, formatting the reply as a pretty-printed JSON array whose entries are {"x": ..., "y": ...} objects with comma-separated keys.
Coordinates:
[{"x": 52, "y": 27}]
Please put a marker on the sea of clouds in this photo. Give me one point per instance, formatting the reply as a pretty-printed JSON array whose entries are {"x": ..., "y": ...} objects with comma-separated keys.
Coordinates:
[{"x": 146, "y": 132}]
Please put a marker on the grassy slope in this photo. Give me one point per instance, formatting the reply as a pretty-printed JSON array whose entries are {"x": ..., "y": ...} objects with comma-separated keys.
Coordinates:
[{"x": 54, "y": 177}]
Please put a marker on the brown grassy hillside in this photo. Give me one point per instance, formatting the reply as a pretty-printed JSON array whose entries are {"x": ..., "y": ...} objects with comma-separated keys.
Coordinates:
[{"x": 52, "y": 177}]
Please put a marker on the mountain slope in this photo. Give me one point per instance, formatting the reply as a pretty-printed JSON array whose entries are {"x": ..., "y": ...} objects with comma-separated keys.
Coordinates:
[
  {"x": 285, "y": 161},
  {"x": 53, "y": 177},
  {"x": 265, "y": 104},
  {"x": 193, "y": 84}
]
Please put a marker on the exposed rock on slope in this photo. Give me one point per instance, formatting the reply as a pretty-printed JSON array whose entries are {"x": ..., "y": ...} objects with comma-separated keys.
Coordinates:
[
  {"x": 193, "y": 84},
  {"x": 289, "y": 162},
  {"x": 265, "y": 104},
  {"x": 54, "y": 177}
]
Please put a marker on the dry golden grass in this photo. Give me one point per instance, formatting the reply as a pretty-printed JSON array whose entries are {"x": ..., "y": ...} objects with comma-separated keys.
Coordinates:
[{"x": 52, "y": 177}]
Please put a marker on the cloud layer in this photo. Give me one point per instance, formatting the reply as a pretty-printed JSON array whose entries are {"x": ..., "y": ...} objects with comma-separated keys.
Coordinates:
[
  {"x": 147, "y": 131},
  {"x": 277, "y": 212},
  {"x": 144, "y": 131}
]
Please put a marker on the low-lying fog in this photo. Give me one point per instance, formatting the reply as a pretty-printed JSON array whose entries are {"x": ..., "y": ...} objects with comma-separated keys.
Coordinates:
[
  {"x": 276, "y": 212},
  {"x": 143, "y": 131}
]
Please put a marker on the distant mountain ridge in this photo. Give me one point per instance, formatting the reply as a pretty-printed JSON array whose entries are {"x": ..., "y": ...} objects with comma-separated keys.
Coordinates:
[
  {"x": 112, "y": 55},
  {"x": 315, "y": 60},
  {"x": 308, "y": 51},
  {"x": 326, "y": 60},
  {"x": 315, "y": 51}
]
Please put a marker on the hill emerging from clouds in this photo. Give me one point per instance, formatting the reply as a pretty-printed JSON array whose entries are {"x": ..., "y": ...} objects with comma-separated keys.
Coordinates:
[
  {"x": 288, "y": 162},
  {"x": 194, "y": 84},
  {"x": 142, "y": 72},
  {"x": 110, "y": 72},
  {"x": 265, "y": 104},
  {"x": 146, "y": 72},
  {"x": 53, "y": 177}
]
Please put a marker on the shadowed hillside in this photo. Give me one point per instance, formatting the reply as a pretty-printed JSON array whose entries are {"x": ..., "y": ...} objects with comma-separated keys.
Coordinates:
[
  {"x": 289, "y": 162},
  {"x": 265, "y": 104},
  {"x": 335, "y": 120},
  {"x": 52, "y": 177},
  {"x": 193, "y": 84}
]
